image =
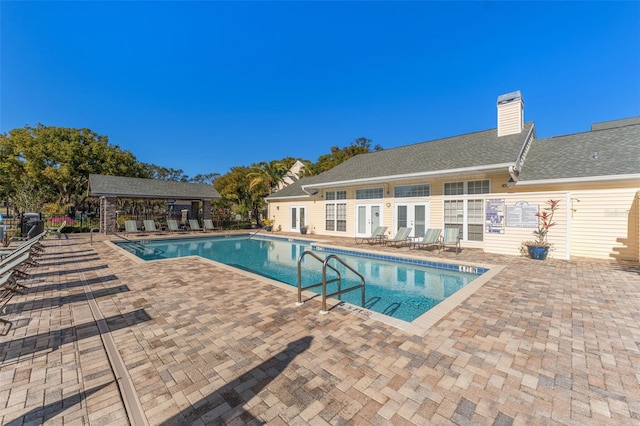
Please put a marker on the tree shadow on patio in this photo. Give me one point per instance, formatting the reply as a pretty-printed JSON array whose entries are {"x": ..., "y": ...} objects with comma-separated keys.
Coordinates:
[
  {"x": 59, "y": 301},
  {"x": 41, "y": 415},
  {"x": 52, "y": 340},
  {"x": 226, "y": 403}
]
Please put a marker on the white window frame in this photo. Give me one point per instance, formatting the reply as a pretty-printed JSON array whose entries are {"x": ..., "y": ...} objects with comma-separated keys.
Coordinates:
[
  {"x": 336, "y": 205},
  {"x": 467, "y": 221}
]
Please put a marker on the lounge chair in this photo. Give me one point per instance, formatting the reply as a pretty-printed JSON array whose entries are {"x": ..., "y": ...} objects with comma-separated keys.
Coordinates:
[
  {"x": 150, "y": 225},
  {"x": 208, "y": 225},
  {"x": 377, "y": 236},
  {"x": 172, "y": 226},
  {"x": 451, "y": 238},
  {"x": 401, "y": 237},
  {"x": 13, "y": 267},
  {"x": 431, "y": 238},
  {"x": 131, "y": 227},
  {"x": 18, "y": 263},
  {"x": 33, "y": 245},
  {"x": 58, "y": 231},
  {"x": 194, "y": 225},
  {"x": 8, "y": 288}
]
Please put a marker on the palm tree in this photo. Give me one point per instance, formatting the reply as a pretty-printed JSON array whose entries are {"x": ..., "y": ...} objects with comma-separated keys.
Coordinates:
[{"x": 269, "y": 174}]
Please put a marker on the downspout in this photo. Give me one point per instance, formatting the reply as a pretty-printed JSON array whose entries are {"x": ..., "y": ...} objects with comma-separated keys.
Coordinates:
[
  {"x": 514, "y": 175},
  {"x": 568, "y": 203}
]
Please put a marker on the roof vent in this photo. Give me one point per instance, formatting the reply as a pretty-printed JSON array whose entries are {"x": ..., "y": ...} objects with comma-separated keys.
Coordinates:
[{"x": 510, "y": 113}]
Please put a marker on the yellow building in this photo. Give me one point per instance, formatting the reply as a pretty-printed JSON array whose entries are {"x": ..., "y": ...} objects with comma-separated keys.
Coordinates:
[{"x": 488, "y": 184}]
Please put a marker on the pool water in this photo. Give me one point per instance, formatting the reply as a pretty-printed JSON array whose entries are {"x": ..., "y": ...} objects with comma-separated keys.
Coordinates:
[{"x": 396, "y": 287}]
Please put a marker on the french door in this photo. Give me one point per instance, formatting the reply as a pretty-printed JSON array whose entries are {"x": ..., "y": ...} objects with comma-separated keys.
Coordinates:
[
  {"x": 298, "y": 217},
  {"x": 412, "y": 215},
  {"x": 368, "y": 218}
]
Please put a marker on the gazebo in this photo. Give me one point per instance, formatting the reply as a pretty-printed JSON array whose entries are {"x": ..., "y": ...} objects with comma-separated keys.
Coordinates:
[{"x": 110, "y": 188}]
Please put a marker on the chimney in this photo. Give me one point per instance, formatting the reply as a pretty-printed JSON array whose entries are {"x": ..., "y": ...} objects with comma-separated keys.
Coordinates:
[{"x": 510, "y": 113}]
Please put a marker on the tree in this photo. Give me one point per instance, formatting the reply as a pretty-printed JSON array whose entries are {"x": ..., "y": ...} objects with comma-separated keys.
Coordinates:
[
  {"x": 27, "y": 197},
  {"x": 153, "y": 171},
  {"x": 58, "y": 161},
  {"x": 209, "y": 178},
  {"x": 234, "y": 186},
  {"x": 326, "y": 162},
  {"x": 267, "y": 176}
]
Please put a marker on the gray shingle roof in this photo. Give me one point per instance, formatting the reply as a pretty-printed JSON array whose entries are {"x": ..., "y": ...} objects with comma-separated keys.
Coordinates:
[
  {"x": 479, "y": 149},
  {"x": 120, "y": 186},
  {"x": 606, "y": 152},
  {"x": 472, "y": 150},
  {"x": 295, "y": 189},
  {"x": 617, "y": 144},
  {"x": 615, "y": 123}
]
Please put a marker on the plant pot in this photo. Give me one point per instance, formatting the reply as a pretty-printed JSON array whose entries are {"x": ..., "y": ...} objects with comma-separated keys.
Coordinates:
[
  {"x": 303, "y": 230},
  {"x": 538, "y": 252},
  {"x": 268, "y": 228}
]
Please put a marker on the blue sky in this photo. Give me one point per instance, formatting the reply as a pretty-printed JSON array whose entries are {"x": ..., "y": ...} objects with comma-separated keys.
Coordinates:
[{"x": 205, "y": 86}]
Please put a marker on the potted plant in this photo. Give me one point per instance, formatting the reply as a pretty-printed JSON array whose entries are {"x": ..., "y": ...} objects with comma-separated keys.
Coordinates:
[
  {"x": 267, "y": 223},
  {"x": 539, "y": 248}
]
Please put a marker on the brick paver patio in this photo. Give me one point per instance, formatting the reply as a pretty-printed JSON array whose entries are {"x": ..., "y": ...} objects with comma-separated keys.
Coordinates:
[{"x": 543, "y": 342}]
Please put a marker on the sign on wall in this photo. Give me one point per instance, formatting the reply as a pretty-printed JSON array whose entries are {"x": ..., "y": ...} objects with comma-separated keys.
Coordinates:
[
  {"x": 522, "y": 215},
  {"x": 494, "y": 217}
]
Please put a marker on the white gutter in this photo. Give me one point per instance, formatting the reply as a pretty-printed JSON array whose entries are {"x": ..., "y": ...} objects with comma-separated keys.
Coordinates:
[
  {"x": 410, "y": 176},
  {"x": 607, "y": 178},
  {"x": 292, "y": 197}
]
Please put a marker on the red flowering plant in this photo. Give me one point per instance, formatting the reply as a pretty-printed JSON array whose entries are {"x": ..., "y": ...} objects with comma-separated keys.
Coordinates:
[
  {"x": 57, "y": 220},
  {"x": 545, "y": 221}
]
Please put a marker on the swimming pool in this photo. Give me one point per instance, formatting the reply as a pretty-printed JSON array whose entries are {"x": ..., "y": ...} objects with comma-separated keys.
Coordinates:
[{"x": 402, "y": 288}]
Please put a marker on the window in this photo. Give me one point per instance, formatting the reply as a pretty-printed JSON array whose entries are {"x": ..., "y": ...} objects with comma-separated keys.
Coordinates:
[
  {"x": 475, "y": 226},
  {"x": 336, "y": 213},
  {"x": 341, "y": 219},
  {"x": 454, "y": 214},
  {"x": 478, "y": 187},
  {"x": 466, "y": 213},
  {"x": 369, "y": 194},
  {"x": 336, "y": 195},
  {"x": 454, "y": 188},
  {"x": 411, "y": 191}
]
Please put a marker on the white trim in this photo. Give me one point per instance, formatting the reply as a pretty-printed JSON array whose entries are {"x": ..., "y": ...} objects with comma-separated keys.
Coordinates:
[
  {"x": 595, "y": 179},
  {"x": 465, "y": 198},
  {"x": 522, "y": 155},
  {"x": 383, "y": 179}
]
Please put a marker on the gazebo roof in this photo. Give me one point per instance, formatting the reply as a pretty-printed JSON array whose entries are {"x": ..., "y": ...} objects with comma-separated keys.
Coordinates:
[{"x": 128, "y": 187}]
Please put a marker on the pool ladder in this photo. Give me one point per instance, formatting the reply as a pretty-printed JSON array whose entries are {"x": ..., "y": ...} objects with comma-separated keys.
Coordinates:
[{"x": 324, "y": 282}]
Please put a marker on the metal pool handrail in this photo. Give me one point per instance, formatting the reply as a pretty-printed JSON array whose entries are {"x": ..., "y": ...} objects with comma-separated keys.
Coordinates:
[
  {"x": 324, "y": 282},
  {"x": 255, "y": 233}
]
